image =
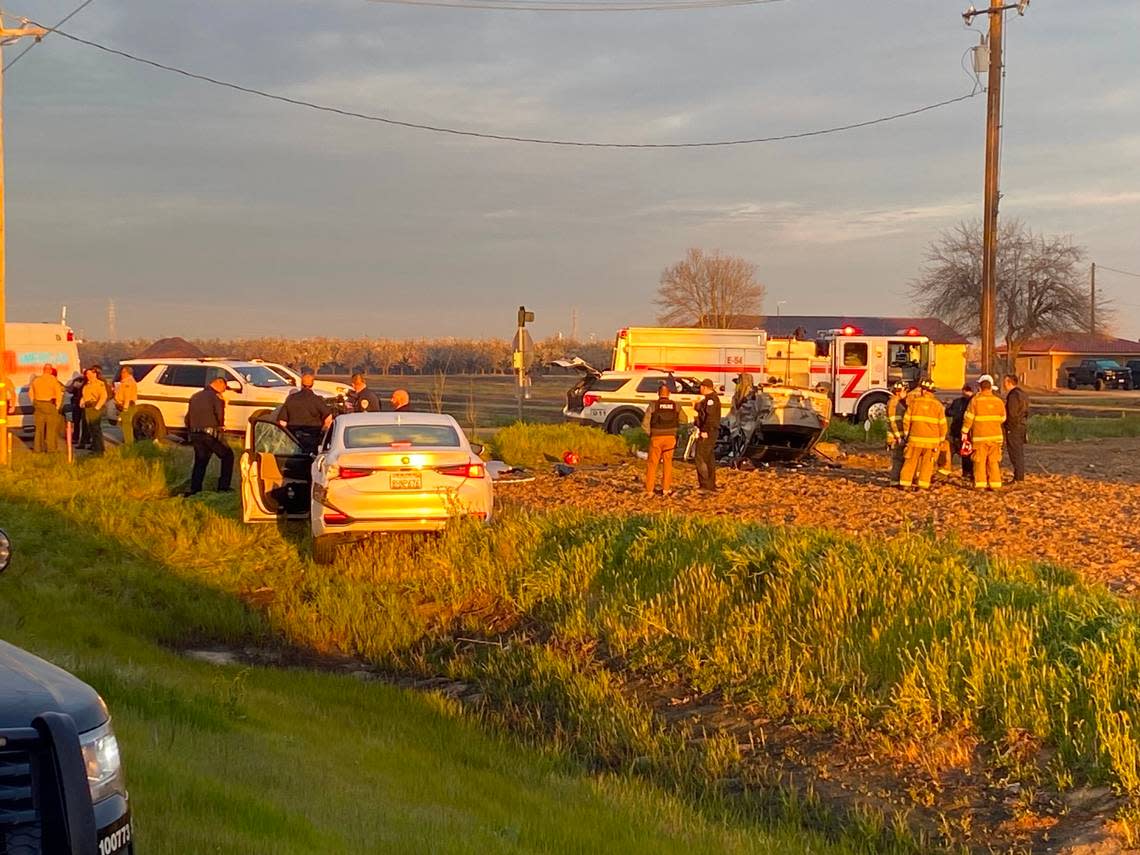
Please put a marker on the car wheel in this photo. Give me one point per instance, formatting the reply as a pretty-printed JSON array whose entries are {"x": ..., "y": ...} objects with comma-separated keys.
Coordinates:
[
  {"x": 1127, "y": 385},
  {"x": 148, "y": 423},
  {"x": 622, "y": 421},
  {"x": 873, "y": 407},
  {"x": 1072, "y": 384},
  {"x": 324, "y": 549},
  {"x": 1099, "y": 385}
]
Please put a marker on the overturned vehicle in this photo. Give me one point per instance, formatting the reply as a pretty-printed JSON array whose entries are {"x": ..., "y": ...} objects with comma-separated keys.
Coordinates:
[{"x": 769, "y": 423}]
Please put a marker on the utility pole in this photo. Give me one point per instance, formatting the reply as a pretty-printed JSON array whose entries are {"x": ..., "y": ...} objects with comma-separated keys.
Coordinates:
[
  {"x": 7, "y": 388},
  {"x": 992, "y": 199},
  {"x": 1092, "y": 299}
]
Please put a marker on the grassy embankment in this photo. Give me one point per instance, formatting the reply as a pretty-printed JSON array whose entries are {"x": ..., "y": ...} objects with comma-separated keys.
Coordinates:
[
  {"x": 1041, "y": 429},
  {"x": 910, "y": 642}
]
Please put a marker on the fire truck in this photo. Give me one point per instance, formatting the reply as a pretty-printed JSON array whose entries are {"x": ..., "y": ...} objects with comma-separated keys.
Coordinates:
[
  {"x": 855, "y": 370},
  {"x": 720, "y": 355}
]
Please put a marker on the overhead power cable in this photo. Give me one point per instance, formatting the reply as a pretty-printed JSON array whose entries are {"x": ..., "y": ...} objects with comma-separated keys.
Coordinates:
[
  {"x": 581, "y": 5},
  {"x": 502, "y": 137},
  {"x": 1121, "y": 272},
  {"x": 59, "y": 23}
]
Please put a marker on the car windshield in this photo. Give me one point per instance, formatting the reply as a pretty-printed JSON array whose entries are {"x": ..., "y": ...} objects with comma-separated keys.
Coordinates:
[
  {"x": 1107, "y": 363},
  {"x": 280, "y": 371},
  {"x": 260, "y": 376},
  {"x": 401, "y": 436}
]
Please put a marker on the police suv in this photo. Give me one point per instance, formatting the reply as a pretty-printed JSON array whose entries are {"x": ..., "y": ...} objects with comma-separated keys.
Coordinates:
[
  {"x": 617, "y": 400},
  {"x": 165, "y": 387},
  {"x": 61, "y": 779}
]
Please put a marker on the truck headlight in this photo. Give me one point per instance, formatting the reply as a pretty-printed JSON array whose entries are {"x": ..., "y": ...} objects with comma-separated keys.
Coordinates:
[{"x": 104, "y": 768}]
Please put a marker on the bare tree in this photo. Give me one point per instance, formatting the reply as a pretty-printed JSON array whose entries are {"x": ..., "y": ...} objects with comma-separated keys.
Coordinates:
[
  {"x": 1041, "y": 283},
  {"x": 708, "y": 290}
]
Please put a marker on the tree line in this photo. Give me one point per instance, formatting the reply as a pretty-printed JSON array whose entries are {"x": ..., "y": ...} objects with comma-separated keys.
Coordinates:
[{"x": 372, "y": 356}]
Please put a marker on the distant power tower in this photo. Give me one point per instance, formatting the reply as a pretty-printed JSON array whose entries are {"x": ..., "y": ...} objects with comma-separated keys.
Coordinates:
[
  {"x": 574, "y": 323},
  {"x": 112, "y": 322}
]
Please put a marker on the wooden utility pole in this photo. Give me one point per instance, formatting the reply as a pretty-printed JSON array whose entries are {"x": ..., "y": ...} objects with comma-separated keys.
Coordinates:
[
  {"x": 1092, "y": 299},
  {"x": 7, "y": 388},
  {"x": 992, "y": 195}
]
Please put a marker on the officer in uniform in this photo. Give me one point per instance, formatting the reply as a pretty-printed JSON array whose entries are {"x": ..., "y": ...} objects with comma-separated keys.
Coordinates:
[
  {"x": 707, "y": 425},
  {"x": 126, "y": 397},
  {"x": 896, "y": 409},
  {"x": 401, "y": 402},
  {"x": 661, "y": 420},
  {"x": 956, "y": 413},
  {"x": 93, "y": 400},
  {"x": 1016, "y": 424},
  {"x": 360, "y": 398},
  {"x": 306, "y": 414},
  {"x": 924, "y": 426},
  {"x": 205, "y": 419},
  {"x": 983, "y": 422},
  {"x": 47, "y": 396}
]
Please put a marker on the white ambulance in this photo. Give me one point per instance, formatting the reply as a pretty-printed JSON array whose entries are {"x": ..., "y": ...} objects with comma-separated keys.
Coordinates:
[{"x": 27, "y": 348}]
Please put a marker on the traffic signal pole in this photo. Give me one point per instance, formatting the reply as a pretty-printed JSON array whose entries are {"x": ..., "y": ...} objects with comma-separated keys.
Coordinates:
[{"x": 7, "y": 387}]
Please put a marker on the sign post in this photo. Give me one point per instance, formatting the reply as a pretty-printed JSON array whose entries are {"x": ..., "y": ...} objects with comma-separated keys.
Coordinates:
[{"x": 523, "y": 351}]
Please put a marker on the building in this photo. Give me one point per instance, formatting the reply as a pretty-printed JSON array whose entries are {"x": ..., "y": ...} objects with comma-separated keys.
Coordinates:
[
  {"x": 948, "y": 365},
  {"x": 1041, "y": 362}
]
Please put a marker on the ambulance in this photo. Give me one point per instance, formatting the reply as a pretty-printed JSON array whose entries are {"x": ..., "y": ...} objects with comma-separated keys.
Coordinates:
[{"x": 27, "y": 347}]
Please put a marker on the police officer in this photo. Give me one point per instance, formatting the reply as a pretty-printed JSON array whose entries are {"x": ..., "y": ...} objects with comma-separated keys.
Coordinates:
[
  {"x": 896, "y": 442},
  {"x": 955, "y": 413},
  {"x": 924, "y": 425},
  {"x": 1016, "y": 424},
  {"x": 661, "y": 420},
  {"x": 47, "y": 396},
  {"x": 360, "y": 398},
  {"x": 401, "y": 402},
  {"x": 126, "y": 398},
  {"x": 708, "y": 425},
  {"x": 983, "y": 422},
  {"x": 93, "y": 400},
  {"x": 306, "y": 414},
  {"x": 205, "y": 419}
]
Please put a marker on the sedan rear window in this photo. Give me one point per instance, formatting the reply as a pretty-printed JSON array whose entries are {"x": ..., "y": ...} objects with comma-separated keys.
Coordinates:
[{"x": 401, "y": 436}]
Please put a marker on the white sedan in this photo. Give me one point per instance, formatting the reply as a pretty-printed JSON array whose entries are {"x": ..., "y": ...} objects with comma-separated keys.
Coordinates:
[{"x": 373, "y": 473}]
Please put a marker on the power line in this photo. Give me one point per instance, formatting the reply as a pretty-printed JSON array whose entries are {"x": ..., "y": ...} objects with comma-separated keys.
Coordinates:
[
  {"x": 503, "y": 137},
  {"x": 60, "y": 23},
  {"x": 580, "y": 5},
  {"x": 1121, "y": 272}
]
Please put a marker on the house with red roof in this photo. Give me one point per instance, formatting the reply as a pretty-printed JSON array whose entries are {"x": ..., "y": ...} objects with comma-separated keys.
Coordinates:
[{"x": 1043, "y": 362}]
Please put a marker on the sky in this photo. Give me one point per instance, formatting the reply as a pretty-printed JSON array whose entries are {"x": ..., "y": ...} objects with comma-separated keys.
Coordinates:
[{"x": 202, "y": 211}]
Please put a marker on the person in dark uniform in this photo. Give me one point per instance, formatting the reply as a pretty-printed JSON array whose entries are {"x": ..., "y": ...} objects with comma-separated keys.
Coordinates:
[
  {"x": 708, "y": 425},
  {"x": 401, "y": 402},
  {"x": 1016, "y": 424},
  {"x": 661, "y": 420},
  {"x": 955, "y": 414},
  {"x": 79, "y": 436},
  {"x": 205, "y": 419},
  {"x": 360, "y": 398},
  {"x": 306, "y": 414}
]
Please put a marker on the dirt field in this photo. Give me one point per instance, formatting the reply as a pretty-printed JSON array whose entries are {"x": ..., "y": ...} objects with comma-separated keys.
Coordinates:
[{"x": 1078, "y": 507}]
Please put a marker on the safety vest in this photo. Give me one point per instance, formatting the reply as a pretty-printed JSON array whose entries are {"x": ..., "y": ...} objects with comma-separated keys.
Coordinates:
[
  {"x": 896, "y": 409},
  {"x": 984, "y": 417},
  {"x": 924, "y": 421}
]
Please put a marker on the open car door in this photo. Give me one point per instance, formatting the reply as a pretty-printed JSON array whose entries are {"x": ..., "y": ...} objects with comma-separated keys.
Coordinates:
[{"x": 276, "y": 473}]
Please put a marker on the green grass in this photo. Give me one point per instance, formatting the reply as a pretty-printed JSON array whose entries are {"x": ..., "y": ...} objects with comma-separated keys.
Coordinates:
[
  {"x": 109, "y": 575},
  {"x": 1074, "y": 428},
  {"x": 523, "y": 444},
  {"x": 841, "y": 430},
  {"x": 904, "y": 640}
]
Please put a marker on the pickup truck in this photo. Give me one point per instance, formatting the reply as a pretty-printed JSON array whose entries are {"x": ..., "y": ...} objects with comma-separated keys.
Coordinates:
[
  {"x": 1101, "y": 374},
  {"x": 1133, "y": 365},
  {"x": 61, "y": 781}
]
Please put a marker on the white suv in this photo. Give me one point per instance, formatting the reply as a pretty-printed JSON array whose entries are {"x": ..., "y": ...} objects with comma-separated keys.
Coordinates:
[
  {"x": 617, "y": 400},
  {"x": 165, "y": 387}
]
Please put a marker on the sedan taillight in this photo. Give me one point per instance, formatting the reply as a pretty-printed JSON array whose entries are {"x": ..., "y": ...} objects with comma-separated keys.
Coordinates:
[
  {"x": 464, "y": 470},
  {"x": 346, "y": 472}
]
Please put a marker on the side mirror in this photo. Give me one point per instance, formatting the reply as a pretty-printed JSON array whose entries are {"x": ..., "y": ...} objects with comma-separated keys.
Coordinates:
[
  {"x": 5, "y": 551},
  {"x": 477, "y": 447},
  {"x": 233, "y": 386}
]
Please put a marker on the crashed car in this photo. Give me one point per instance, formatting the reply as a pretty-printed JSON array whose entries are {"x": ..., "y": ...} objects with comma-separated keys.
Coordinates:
[{"x": 770, "y": 423}]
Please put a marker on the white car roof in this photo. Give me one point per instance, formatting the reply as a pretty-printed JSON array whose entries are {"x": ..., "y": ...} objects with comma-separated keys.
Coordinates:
[{"x": 406, "y": 417}]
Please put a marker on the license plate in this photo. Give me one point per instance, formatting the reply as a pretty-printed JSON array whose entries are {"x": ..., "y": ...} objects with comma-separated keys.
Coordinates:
[{"x": 405, "y": 481}]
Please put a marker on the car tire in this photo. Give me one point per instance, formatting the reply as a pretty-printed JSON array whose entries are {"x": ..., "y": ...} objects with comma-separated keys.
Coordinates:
[
  {"x": 1099, "y": 385},
  {"x": 873, "y": 407},
  {"x": 623, "y": 420},
  {"x": 148, "y": 423},
  {"x": 1127, "y": 385},
  {"x": 1072, "y": 383},
  {"x": 324, "y": 549}
]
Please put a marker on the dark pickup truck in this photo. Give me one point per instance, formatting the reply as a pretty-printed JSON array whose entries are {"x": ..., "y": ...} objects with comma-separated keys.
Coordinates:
[
  {"x": 1101, "y": 374},
  {"x": 61, "y": 781}
]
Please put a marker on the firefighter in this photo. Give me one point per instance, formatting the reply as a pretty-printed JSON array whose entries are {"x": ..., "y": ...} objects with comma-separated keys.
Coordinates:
[
  {"x": 983, "y": 424},
  {"x": 924, "y": 426},
  {"x": 896, "y": 408},
  {"x": 1016, "y": 424},
  {"x": 661, "y": 420},
  {"x": 708, "y": 426}
]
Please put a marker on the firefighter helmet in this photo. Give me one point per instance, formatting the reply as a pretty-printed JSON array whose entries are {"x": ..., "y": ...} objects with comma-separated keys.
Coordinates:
[{"x": 927, "y": 384}]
